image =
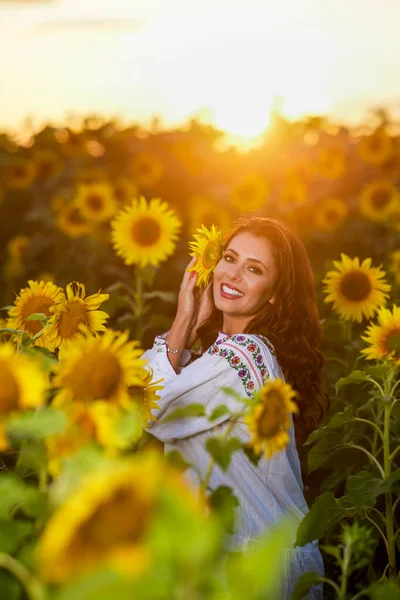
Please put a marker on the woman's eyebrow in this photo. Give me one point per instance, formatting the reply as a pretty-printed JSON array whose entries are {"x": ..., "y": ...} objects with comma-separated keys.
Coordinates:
[{"x": 249, "y": 258}]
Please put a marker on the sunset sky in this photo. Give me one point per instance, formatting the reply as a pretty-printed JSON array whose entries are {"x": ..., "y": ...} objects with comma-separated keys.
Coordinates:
[{"x": 173, "y": 58}]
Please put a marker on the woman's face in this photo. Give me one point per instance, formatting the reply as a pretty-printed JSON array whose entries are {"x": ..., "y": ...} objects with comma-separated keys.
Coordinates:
[{"x": 244, "y": 279}]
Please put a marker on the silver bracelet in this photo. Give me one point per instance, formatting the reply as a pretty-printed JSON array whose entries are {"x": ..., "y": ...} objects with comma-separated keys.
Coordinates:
[{"x": 171, "y": 350}]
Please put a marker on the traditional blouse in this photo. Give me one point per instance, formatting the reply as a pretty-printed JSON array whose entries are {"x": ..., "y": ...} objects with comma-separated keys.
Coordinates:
[{"x": 265, "y": 492}]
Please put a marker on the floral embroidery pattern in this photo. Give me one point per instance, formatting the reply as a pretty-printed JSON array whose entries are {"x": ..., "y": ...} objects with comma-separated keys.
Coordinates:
[{"x": 231, "y": 347}]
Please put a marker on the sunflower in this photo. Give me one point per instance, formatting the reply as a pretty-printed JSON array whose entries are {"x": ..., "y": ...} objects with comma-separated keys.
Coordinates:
[
  {"x": 145, "y": 232},
  {"x": 71, "y": 221},
  {"x": 395, "y": 264},
  {"x": 16, "y": 249},
  {"x": 20, "y": 173},
  {"x": 22, "y": 386},
  {"x": 145, "y": 396},
  {"x": 18, "y": 245},
  {"x": 375, "y": 149},
  {"x": 48, "y": 164},
  {"x": 250, "y": 194},
  {"x": 269, "y": 421},
  {"x": 331, "y": 163},
  {"x": 96, "y": 422},
  {"x": 384, "y": 338},
  {"x": 147, "y": 169},
  {"x": 378, "y": 199},
  {"x": 207, "y": 247},
  {"x": 330, "y": 213},
  {"x": 206, "y": 210},
  {"x": 356, "y": 290},
  {"x": 293, "y": 192},
  {"x": 75, "y": 312},
  {"x": 104, "y": 522},
  {"x": 124, "y": 191},
  {"x": 39, "y": 297},
  {"x": 96, "y": 202},
  {"x": 99, "y": 368},
  {"x": 394, "y": 218}
]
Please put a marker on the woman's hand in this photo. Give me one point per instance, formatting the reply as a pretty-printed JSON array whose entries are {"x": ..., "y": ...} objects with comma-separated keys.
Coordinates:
[{"x": 188, "y": 303}]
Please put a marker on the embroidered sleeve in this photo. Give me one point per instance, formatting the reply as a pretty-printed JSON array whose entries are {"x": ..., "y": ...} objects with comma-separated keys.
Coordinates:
[{"x": 245, "y": 355}]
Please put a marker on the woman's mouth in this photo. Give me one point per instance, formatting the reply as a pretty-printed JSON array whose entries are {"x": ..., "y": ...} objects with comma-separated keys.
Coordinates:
[{"x": 230, "y": 292}]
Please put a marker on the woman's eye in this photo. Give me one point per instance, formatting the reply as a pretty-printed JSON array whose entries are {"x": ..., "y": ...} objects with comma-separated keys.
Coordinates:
[
  {"x": 228, "y": 258},
  {"x": 255, "y": 270}
]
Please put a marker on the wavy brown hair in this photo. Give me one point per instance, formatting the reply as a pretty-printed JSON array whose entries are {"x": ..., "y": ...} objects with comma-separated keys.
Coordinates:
[{"x": 291, "y": 323}]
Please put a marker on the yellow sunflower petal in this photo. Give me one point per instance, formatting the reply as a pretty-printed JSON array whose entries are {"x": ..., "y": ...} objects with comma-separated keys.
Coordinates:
[
  {"x": 384, "y": 338},
  {"x": 145, "y": 232},
  {"x": 22, "y": 383},
  {"x": 207, "y": 247},
  {"x": 355, "y": 290},
  {"x": 74, "y": 313},
  {"x": 100, "y": 368},
  {"x": 378, "y": 199},
  {"x": 39, "y": 297},
  {"x": 269, "y": 421}
]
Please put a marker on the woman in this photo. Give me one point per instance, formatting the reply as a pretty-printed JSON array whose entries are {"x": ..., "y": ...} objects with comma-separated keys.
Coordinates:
[{"x": 258, "y": 320}]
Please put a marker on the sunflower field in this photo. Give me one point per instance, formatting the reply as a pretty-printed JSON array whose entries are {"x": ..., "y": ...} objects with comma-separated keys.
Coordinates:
[{"x": 97, "y": 223}]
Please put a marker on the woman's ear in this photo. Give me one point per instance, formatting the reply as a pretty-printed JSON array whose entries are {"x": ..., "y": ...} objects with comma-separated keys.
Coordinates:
[{"x": 272, "y": 300}]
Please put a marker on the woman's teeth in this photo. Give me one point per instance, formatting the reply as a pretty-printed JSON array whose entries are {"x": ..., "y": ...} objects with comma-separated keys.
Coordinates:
[{"x": 228, "y": 290}]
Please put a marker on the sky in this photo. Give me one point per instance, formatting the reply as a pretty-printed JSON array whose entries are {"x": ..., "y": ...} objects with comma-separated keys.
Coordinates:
[{"x": 226, "y": 60}]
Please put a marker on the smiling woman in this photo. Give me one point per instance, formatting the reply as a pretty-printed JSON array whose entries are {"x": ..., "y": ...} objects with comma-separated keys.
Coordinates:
[{"x": 257, "y": 323}]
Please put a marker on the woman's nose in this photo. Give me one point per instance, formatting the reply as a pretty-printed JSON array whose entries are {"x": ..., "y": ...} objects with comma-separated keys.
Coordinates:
[{"x": 234, "y": 272}]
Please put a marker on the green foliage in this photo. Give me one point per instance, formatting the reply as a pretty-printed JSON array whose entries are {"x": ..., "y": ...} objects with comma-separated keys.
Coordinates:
[
  {"x": 224, "y": 502},
  {"x": 258, "y": 572},
  {"x": 304, "y": 584},
  {"x": 191, "y": 410},
  {"x": 13, "y": 534},
  {"x": 37, "y": 424},
  {"x": 324, "y": 513},
  {"x": 221, "y": 449},
  {"x": 18, "y": 496}
]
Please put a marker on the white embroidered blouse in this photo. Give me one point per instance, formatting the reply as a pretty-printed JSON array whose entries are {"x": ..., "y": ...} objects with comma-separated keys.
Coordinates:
[{"x": 265, "y": 492}]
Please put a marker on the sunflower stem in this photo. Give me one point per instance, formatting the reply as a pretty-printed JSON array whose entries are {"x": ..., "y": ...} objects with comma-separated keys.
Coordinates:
[
  {"x": 206, "y": 480},
  {"x": 33, "y": 587},
  {"x": 139, "y": 304},
  {"x": 388, "y": 495}
]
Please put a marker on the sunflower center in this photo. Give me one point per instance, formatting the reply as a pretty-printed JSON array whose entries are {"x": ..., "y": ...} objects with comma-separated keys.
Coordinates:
[
  {"x": 211, "y": 255},
  {"x": 376, "y": 143},
  {"x": 331, "y": 215},
  {"x": 270, "y": 420},
  {"x": 9, "y": 390},
  {"x": 355, "y": 286},
  {"x": 35, "y": 304},
  {"x": 95, "y": 202},
  {"x": 392, "y": 342},
  {"x": 20, "y": 172},
  {"x": 75, "y": 217},
  {"x": 146, "y": 231},
  {"x": 246, "y": 192},
  {"x": 137, "y": 393},
  {"x": 144, "y": 168},
  {"x": 70, "y": 320},
  {"x": 380, "y": 199},
  {"x": 97, "y": 377},
  {"x": 109, "y": 526}
]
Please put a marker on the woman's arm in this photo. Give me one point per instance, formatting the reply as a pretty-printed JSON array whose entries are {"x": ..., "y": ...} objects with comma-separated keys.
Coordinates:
[{"x": 185, "y": 319}]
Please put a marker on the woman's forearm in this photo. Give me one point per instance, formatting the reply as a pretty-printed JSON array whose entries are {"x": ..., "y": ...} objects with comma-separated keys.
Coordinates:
[{"x": 177, "y": 340}]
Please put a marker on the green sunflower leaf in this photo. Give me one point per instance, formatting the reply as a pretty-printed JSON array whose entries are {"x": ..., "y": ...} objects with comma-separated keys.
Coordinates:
[
  {"x": 221, "y": 450},
  {"x": 191, "y": 410}
]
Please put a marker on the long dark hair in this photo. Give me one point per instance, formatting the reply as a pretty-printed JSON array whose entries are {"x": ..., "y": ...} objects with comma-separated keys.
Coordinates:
[{"x": 291, "y": 323}]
